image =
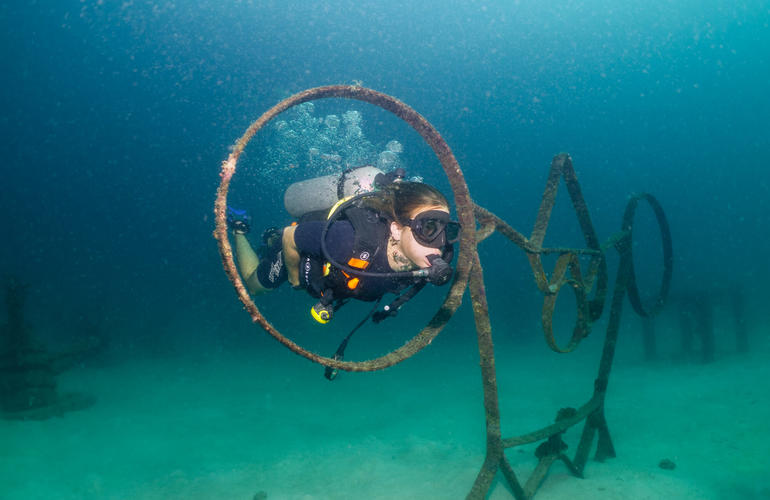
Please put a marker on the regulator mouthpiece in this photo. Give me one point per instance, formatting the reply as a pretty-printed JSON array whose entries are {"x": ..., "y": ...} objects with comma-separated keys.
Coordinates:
[{"x": 439, "y": 271}]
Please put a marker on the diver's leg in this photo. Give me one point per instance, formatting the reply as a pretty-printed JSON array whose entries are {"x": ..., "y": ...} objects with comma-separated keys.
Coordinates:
[
  {"x": 291, "y": 255},
  {"x": 247, "y": 264}
]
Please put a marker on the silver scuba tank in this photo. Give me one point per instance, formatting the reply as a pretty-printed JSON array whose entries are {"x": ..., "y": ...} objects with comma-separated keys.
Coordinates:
[{"x": 321, "y": 193}]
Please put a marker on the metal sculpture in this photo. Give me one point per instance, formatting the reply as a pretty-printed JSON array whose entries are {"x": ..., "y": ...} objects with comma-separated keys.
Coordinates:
[
  {"x": 28, "y": 371},
  {"x": 469, "y": 273}
]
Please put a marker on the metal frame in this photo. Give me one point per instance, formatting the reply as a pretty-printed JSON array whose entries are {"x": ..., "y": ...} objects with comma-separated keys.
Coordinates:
[{"x": 469, "y": 273}]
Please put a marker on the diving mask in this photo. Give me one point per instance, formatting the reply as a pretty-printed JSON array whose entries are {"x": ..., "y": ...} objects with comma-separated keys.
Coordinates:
[{"x": 433, "y": 229}]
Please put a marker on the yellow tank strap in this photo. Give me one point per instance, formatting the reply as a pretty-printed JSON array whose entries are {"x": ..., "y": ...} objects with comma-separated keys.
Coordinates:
[{"x": 337, "y": 205}]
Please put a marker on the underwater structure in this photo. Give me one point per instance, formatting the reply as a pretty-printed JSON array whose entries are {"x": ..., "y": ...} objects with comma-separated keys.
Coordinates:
[
  {"x": 695, "y": 312},
  {"x": 28, "y": 386},
  {"x": 589, "y": 284}
]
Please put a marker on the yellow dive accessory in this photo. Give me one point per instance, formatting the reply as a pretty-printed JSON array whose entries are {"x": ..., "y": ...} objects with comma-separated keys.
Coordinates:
[{"x": 321, "y": 313}]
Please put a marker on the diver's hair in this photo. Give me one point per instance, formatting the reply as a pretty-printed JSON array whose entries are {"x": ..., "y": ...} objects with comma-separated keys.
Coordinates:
[{"x": 400, "y": 200}]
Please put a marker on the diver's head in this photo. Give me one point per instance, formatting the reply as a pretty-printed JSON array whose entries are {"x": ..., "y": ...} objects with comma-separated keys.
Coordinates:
[
  {"x": 420, "y": 221},
  {"x": 407, "y": 199}
]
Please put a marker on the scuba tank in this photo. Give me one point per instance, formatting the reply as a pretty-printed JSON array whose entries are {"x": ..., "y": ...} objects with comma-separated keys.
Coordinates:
[{"x": 320, "y": 193}]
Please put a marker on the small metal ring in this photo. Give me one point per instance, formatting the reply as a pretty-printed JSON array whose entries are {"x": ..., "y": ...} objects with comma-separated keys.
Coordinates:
[
  {"x": 567, "y": 261},
  {"x": 665, "y": 236}
]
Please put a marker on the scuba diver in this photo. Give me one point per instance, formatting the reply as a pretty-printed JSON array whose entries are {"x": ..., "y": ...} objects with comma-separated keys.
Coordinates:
[{"x": 393, "y": 236}]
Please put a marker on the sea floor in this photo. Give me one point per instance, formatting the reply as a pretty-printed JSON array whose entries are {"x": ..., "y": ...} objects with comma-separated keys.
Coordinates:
[{"x": 237, "y": 424}]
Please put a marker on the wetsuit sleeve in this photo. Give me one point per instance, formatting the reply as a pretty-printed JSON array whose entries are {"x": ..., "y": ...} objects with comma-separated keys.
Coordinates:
[{"x": 339, "y": 239}]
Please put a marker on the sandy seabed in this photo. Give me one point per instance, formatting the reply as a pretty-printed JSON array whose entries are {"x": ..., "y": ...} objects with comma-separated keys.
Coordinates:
[{"x": 226, "y": 425}]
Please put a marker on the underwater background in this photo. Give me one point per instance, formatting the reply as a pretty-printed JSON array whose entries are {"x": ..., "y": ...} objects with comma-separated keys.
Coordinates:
[{"x": 114, "y": 121}]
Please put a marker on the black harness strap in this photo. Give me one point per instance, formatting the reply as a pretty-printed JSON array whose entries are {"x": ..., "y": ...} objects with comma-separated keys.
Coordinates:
[
  {"x": 371, "y": 230},
  {"x": 330, "y": 372}
]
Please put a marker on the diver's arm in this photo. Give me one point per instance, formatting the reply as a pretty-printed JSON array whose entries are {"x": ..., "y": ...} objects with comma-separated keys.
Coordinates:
[
  {"x": 291, "y": 255},
  {"x": 247, "y": 264}
]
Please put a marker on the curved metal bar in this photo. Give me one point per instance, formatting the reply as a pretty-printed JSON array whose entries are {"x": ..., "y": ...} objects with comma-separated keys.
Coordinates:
[
  {"x": 668, "y": 259},
  {"x": 562, "y": 425},
  {"x": 462, "y": 204},
  {"x": 588, "y": 310},
  {"x": 565, "y": 262}
]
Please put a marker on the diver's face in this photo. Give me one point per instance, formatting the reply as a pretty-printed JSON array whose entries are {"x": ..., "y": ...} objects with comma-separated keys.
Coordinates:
[{"x": 413, "y": 249}]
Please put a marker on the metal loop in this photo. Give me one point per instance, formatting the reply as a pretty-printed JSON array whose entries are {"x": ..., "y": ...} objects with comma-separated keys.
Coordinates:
[
  {"x": 463, "y": 205},
  {"x": 567, "y": 261},
  {"x": 627, "y": 245}
]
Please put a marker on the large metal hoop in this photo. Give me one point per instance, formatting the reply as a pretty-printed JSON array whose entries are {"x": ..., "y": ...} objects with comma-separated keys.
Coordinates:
[{"x": 462, "y": 203}]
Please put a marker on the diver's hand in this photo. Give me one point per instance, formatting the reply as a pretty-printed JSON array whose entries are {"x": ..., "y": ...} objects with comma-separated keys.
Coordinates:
[
  {"x": 439, "y": 271},
  {"x": 238, "y": 221}
]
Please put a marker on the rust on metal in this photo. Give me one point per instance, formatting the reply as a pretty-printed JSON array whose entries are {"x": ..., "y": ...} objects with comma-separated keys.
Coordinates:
[{"x": 566, "y": 273}]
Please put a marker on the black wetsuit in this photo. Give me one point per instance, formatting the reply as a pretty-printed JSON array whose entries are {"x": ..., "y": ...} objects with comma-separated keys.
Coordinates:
[{"x": 340, "y": 240}]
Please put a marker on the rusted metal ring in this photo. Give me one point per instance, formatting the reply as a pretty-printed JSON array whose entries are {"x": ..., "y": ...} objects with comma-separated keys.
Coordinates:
[
  {"x": 568, "y": 261},
  {"x": 665, "y": 236},
  {"x": 462, "y": 203}
]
